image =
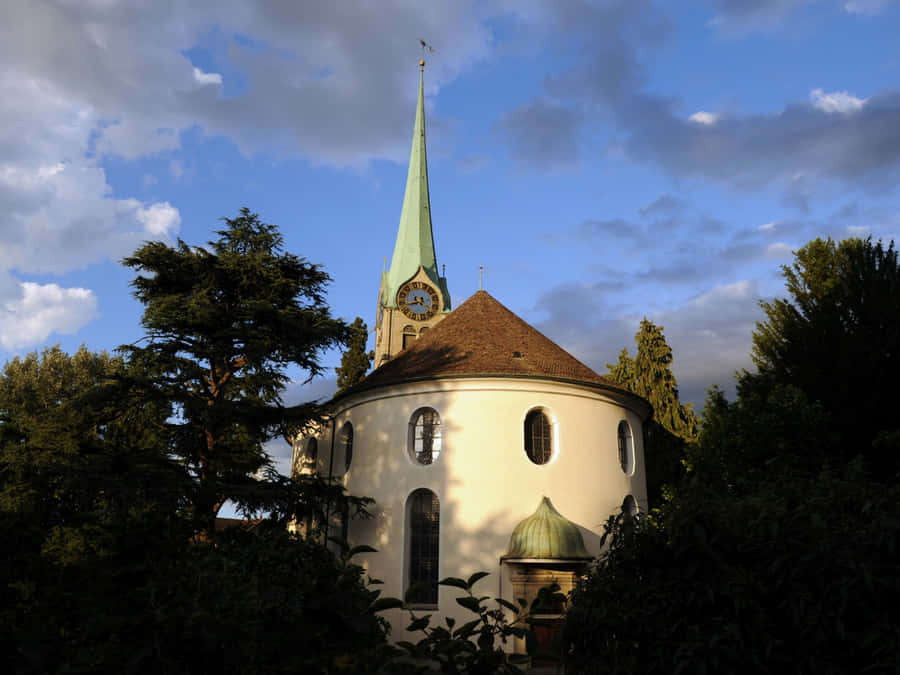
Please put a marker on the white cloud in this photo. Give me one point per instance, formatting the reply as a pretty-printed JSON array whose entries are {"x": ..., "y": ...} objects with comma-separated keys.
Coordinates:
[
  {"x": 41, "y": 309},
  {"x": 160, "y": 219},
  {"x": 836, "y": 102},
  {"x": 703, "y": 117},
  {"x": 767, "y": 227},
  {"x": 150, "y": 179},
  {"x": 865, "y": 6},
  {"x": 206, "y": 78},
  {"x": 61, "y": 217},
  {"x": 780, "y": 250}
]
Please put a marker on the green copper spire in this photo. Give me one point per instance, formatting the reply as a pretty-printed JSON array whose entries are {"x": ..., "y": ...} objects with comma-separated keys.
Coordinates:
[
  {"x": 415, "y": 241},
  {"x": 546, "y": 535}
]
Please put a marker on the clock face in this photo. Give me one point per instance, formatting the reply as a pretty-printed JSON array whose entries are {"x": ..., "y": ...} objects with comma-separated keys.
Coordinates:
[{"x": 418, "y": 300}]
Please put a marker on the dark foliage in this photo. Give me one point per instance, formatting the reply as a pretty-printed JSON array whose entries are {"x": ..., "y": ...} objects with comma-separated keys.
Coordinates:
[
  {"x": 477, "y": 647},
  {"x": 837, "y": 339},
  {"x": 800, "y": 576},
  {"x": 778, "y": 551},
  {"x": 101, "y": 573}
]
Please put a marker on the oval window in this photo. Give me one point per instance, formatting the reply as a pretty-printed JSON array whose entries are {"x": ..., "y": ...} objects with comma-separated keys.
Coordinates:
[
  {"x": 538, "y": 437},
  {"x": 425, "y": 436},
  {"x": 626, "y": 448}
]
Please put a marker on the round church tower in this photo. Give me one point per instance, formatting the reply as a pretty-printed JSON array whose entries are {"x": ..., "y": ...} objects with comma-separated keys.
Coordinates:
[{"x": 458, "y": 438}]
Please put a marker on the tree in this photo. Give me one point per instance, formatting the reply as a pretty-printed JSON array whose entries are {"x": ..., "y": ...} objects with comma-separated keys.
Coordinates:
[
  {"x": 837, "y": 338},
  {"x": 222, "y": 326},
  {"x": 355, "y": 361},
  {"x": 796, "y": 576},
  {"x": 100, "y": 572},
  {"x": 673, "y": 425},
  {"x": 89, "y": 503}
]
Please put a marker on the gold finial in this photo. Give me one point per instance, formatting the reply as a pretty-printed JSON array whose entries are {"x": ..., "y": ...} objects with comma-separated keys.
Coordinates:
[{"x": 422, "y": 63}]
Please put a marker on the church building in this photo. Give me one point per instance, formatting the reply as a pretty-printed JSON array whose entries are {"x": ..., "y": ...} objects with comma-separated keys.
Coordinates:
[{"x": 486, "y": 446}]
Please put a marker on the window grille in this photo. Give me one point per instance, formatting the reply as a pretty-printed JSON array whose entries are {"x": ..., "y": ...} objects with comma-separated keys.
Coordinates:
[
  {"x": 426, "y": 436},
  {"x": 538, "y": 437},
  {"x": 424, "y": 537}
]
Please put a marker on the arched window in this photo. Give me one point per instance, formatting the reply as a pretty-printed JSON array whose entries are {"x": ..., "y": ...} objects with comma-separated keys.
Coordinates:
[
  {"x": 425, "y": 436},
  {"x": 312, "y": 451},
  {"x": 423, "y": 541},
  {"x": 409, "y": 336},
  {"x": 626, "y": 448},
  {"x": 629, "y": 506},
  {"x": 422, "y": 330},
  {"x": 347, "y": 442},
  {"x": 538, "y": 437}
]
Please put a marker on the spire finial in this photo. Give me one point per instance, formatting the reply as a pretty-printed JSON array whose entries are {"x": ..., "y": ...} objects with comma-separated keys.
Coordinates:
[
  {"x": 425, "y": 46},
  {"x": 481, "y": 277}
]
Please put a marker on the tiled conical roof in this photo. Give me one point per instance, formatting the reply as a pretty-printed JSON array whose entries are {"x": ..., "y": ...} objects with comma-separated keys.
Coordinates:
[
  {"x": 546, "y": 535},
  {"x": 482, "y": 337}
]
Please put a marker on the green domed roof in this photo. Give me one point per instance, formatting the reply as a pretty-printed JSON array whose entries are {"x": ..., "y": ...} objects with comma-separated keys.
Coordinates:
[{"x": 547, "y": 535}]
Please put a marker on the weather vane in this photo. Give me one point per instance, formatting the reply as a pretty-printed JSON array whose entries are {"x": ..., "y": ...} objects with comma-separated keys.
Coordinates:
[{"x": 425, "y": 46}]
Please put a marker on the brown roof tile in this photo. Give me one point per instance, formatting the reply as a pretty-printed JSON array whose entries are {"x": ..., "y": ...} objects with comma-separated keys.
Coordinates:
[{"x": 482, "y": 337}]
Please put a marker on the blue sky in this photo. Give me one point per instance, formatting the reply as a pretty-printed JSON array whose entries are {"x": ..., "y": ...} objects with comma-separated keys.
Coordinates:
[{"x": 603, "y": 160}]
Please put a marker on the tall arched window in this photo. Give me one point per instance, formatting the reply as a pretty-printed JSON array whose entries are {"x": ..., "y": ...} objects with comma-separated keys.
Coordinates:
[
  {"x": 538, "y": 437},
  {"x": 347, "y": 442},
  {"x": 629, "y": 506},
  {"x": 425, "y": 436},
  {"x": 423, "y": 541},
  {"x": 626, "y": 447},
  {"x": 312, "y": 451}
]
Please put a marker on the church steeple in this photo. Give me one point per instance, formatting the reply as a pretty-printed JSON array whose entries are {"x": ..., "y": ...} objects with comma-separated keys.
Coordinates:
[
  {"x": 415, "y": 239},
  {"x": 414, "y": 260}
]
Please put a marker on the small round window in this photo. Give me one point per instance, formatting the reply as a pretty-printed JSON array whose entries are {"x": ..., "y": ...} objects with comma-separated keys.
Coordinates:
[
  {"x": 538, "y": 437},
  {"x": 626, "y": 447},
  {"x": 425, "y": 436}
]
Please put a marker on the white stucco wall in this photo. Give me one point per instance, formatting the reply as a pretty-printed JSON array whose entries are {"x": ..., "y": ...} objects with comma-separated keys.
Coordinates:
[{"x": 484, "y": 480}]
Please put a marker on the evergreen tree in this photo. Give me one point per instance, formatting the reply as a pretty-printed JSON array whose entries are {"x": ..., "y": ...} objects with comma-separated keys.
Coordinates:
[
  {"x": 222, "y": 326},
  {"x": 655, "y": 381},
  {"x": 355, "y": 361},
  {"x": 650, "y": 375},
  {"x": 673, "y": 425},
  {"x": 622, "y": 373}
]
